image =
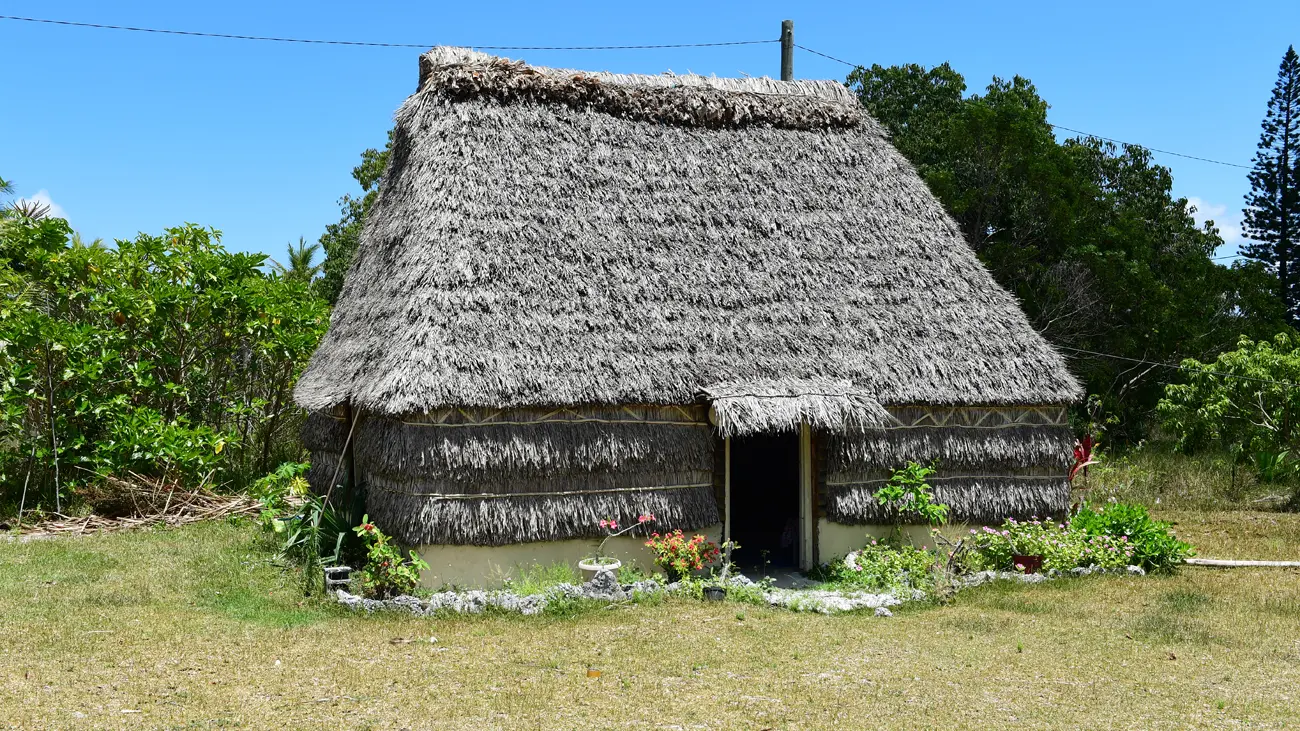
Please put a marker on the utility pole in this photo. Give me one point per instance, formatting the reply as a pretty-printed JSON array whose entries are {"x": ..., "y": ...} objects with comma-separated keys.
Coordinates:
[{"x": 787, "y": 50}]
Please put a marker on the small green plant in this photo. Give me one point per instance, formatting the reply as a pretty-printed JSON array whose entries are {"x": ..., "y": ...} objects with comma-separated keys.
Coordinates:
[
  {"x": 880, "y": 566},
  {"x": 908, "y": 497},
  {"x": 538, "y": 578},
  {"x": 1152, "y": 545},
  {"x": 630, "y": 574},
  {"x": 1273, "y": 466},
  {"x": 751, "y": 593},
  {"x": 678, "y": 556},
  {"x": 386, "y": 573},
  {"x": 274, "y": 490}
]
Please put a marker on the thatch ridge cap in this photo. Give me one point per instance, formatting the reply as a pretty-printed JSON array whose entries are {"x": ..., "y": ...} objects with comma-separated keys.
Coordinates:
[{"x": 461, "y": 74}]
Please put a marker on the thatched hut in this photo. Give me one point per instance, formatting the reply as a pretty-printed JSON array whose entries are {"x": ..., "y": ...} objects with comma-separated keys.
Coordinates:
[{"x": 730, "y": 302}]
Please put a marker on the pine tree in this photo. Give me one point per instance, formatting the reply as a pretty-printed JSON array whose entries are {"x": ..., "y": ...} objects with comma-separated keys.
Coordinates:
[{"x": 1272, "y": 213}]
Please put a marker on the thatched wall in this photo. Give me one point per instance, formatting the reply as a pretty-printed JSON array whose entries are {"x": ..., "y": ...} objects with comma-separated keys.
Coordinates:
[
  {"x": 492, "y": 477},
  {"x": 324, "y": 434},
  {"x": 994, "y": 463}
]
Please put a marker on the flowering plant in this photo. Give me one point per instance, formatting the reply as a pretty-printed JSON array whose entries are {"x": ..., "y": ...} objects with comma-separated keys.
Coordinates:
[
  {"x": 610, "y": 526},
  {"x": 678, "y": 556},
  {"x": 387, "y": 572},
  {"x": 1083, "y": 456},
  {"x": 1060, "y": 546}
]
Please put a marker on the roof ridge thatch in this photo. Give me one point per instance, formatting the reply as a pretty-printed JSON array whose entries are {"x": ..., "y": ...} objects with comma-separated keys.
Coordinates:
[{"x": 691, "y": 100}]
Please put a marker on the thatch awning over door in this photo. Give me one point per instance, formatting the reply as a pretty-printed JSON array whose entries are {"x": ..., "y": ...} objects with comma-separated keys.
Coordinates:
[{"x": 750, "y": 407}]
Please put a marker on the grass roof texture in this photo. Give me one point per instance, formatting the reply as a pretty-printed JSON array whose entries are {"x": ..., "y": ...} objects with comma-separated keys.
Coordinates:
[{"x": 549, "y": 237}]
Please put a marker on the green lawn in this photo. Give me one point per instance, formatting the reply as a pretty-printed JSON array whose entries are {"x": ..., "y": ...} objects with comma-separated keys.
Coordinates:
[{"x": 194, "y": 629}]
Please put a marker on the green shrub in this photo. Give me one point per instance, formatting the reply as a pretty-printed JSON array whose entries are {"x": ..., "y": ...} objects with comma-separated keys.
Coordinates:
[
  {"x": 907, "y": 496},
  {"x": 275, "y": 489},
  {"x": 314, "y": 536},
  {"x": 1243, "y": 400},
  {"x": 1060, "y": 546},
  {"x": 1153, "y": 546},
  {"x": 882, "y": 566},
  {"x": 166, "y": 356}
]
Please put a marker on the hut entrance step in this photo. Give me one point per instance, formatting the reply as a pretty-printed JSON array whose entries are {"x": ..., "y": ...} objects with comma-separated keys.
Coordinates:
[{"x": 765, "y": 500}]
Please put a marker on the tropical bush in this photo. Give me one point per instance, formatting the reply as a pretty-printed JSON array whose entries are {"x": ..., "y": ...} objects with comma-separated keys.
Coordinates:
[
  {"x": 908, "y": 497},
  {"x": 879, "y": 566},
  {"x": 1245, "y": 400},
  {"x": 276, "y": 489},
  {"x": 163, "y": 355},
  {"x": 1061, "y": 547},
  {"x": 1150, "y": 543}
]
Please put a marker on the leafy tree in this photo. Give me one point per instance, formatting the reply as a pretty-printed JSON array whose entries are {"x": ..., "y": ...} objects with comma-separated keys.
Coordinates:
[
  {"x": 302, "y": 266},
  {"x": 340, "y": 239},
  {"x": 164, "y": 355},
  {"x": 1245, "y": 399},
  {"x": 1088, "y": 235},
  {"x": 1272, "y": 214}
]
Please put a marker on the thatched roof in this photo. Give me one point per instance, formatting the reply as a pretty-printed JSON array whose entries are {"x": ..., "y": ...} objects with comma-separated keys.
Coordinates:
[{"x": 558, "y": 237}]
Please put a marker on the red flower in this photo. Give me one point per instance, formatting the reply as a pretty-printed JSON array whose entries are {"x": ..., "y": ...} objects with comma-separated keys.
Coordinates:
[{"x": 1083, "y": 455}]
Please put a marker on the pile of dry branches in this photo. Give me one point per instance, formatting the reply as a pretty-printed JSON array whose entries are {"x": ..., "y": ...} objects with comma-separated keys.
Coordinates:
[{"x": 139, "y": 501}]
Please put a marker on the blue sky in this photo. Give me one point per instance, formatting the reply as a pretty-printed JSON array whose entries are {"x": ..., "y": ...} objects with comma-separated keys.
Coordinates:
[{"x": 128, "y": 132}]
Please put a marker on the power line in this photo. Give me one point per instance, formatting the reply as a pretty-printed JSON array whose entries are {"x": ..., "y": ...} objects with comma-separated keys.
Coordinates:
[
  {"x": 236, "y": 36},
  {"x": 1181, "y": 367},
  {"x": 646, "y": 46},
  {"x": 1152, "y": 149},
  {"x": 826, "y": 55},
  {"x": 1061, "y": 126}
]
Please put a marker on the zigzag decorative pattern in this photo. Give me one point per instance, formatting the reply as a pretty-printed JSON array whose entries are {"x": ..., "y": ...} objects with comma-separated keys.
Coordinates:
[{"x": 977, "y": 417}]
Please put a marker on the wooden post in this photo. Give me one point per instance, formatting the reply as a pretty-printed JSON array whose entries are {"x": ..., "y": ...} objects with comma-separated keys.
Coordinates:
[
  {"x": 787, "y": 50},
  {"x": 349, "y": 466},
  {"x": 805, "y": 497},
  {"x": 726, "y": 491}
]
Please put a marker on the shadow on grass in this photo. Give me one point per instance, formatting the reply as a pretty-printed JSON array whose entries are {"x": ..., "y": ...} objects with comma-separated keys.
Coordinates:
[{"x": 1179, "y": 617}]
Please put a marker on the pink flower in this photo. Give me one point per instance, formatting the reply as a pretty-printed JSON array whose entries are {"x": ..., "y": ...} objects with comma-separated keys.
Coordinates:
[
  {"x": 604, "y": 523},
  {"x": 613, "y": 524}
]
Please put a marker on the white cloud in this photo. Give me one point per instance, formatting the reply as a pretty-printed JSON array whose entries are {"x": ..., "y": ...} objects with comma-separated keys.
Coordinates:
[
  {"x": 1229, "y": 224},
  {"x": 42, "y": 196}
]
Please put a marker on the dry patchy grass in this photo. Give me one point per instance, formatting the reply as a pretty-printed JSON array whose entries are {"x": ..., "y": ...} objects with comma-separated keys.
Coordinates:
[{"x": 194, "y": 629}]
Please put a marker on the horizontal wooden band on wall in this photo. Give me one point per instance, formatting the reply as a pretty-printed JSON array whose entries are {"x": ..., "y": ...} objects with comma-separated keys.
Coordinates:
[
  {"x": 561, "y": 493},
  {"x": 851, "y": 483}
]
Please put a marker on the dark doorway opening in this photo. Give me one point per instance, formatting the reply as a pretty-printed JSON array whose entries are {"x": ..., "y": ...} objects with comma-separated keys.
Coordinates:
[{"x": 765, "y": 500}]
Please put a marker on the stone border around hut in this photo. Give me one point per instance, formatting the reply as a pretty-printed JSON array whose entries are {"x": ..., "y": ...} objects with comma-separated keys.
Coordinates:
[{"x": 605, "y": 588}]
